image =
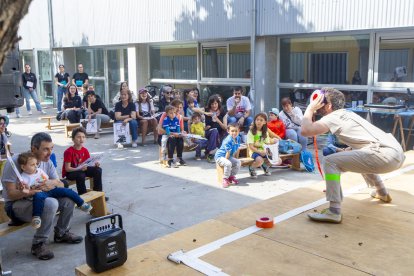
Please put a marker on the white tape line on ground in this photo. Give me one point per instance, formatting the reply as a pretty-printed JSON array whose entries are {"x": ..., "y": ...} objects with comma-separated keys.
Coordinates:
[{"x": 191, "y": 257}]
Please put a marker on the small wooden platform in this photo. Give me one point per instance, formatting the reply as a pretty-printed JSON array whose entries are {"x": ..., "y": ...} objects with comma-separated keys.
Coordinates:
[{"x": 374, "y": 238}]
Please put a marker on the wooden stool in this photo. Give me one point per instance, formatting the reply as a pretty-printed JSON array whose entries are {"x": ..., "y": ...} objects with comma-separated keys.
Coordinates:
[
  {"x": 410, "y": 129},
  {"x": 49, "y": 124},
  {"x": 97, "y": 200},
  {"x": 69, "y": 128},
  {"x": 220, "y": 173}
]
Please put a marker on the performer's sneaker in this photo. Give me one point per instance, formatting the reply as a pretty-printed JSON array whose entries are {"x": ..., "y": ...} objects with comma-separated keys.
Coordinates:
[
  {"x": 326, "y": 216},
  {"x": 386, "y": 198}
]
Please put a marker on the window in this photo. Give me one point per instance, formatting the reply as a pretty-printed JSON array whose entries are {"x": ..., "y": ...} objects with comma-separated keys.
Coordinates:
[
  {"x": 325, "y": 60},
  {"x": 92, "y": 60},
  {"x": 396, "y": 60},
  {"x": 173, "y": 62},
  {"x": 226, "y": 61}
]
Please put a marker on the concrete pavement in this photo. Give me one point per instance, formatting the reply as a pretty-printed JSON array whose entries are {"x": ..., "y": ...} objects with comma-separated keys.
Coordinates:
[{"x": 153, "y": 201}]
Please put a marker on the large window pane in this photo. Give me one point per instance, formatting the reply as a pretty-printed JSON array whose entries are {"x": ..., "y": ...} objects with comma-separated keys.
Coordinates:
[
  {"x": 117, "y": 70},
  {"x": 45, "y": 76},
  {"x": 214, "y": 62},
  {"x": 325, "y": 60},
  {"x": 92, "y": 60},
  {"x": 396, "y": 60},
  {"x": 173, "y": 62},
  {"x": 239, "y": 60}
]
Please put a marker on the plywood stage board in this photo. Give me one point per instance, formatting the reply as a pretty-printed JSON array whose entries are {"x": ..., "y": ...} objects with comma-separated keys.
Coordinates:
[{"x": 373, "y": 238}]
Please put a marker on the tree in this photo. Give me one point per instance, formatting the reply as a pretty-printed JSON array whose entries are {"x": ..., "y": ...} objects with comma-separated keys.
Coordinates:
[{"x": 11, "y": 13}]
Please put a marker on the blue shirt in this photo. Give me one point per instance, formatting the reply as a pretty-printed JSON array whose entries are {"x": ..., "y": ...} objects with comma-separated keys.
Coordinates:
[
  {"x": 171, "y": 125},
  {"x": 229, "y": 144}
]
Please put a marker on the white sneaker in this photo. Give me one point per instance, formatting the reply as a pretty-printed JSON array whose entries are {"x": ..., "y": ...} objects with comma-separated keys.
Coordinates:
[
  {"x": 134, "y": 145},
  {"x": 18, "y": 115},
  {"x": 43, "y": 112},
  {"x": 120, "y": 146},
  {"x": 30, "y": 112},
  {"x": 326, "y": 216}
]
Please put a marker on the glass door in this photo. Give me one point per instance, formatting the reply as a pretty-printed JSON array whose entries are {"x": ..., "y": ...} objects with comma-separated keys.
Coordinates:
[{"x": 117, "y": 63}]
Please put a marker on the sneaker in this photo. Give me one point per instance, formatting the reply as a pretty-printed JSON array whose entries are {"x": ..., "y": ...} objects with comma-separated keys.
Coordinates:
[
  {"x": 97, "y": 135},
  {"x": 233, "y": 180},
  {"x": 41, "y": 251},
  {"x": 226, "y": 182},
  {"x": 210, "y": 158},
  {"x": 326, "y": 216},
  {"x": 181, "y": 162},
  {"x": 36, "y": 222},
  {"x": 18, "y": 115},
  {"x": 68, "y": 237},
  {"x": 30, "y": 113},
  {"x": 266, "y": 170},
  {"x": 198, "y": 158},
  {"x": 86, "y": 207},
  {"x": 43, "y": 112},
  {"x": 252, "y": 172},
  {"x": 171, "y": 164},
  {"x": 119, "y": 146},
  {"x": 387, "y": 198},
  {"x": 134, "y": 145}
]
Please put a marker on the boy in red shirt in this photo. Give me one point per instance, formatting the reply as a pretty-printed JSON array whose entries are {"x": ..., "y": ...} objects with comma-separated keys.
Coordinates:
[
  {"x": 275, "y": 124},
  {"x": 75, "y": 156}
]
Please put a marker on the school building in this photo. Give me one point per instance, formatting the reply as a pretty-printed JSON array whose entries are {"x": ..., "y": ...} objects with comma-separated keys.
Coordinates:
[{"x": 273, "y": 48}]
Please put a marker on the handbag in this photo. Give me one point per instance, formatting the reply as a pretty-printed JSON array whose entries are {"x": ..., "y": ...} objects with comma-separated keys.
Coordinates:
[
  {"x": 289, "y": 146},
  {"x": 272, "y": 153}
]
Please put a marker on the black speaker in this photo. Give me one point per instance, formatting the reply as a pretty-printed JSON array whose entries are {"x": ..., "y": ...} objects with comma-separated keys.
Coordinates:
[{"x": 105, "y": 244}]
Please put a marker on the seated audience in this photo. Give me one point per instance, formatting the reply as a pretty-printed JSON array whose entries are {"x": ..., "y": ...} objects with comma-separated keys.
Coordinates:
[
  {"x": 275, "y": 124},
  {"x": 145, "y": 113},
  {"x": 125, "y": 113},
  {"x": 238, "y": 109},
  {"x": 72, "y": 106},
  {"x": 292, "y": 118}
]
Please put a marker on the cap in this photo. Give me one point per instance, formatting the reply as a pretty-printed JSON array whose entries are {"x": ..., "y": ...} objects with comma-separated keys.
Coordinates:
[
  {"x": 274, "y": 111},
  {"x": 142, "y": 90}
]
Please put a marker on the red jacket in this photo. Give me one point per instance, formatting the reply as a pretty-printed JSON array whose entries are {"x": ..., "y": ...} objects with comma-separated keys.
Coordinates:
[{"x": 277, "y": 127}]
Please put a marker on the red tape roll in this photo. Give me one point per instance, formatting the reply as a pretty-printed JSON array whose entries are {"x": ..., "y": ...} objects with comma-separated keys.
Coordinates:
[{"x": 265, "y": 222}]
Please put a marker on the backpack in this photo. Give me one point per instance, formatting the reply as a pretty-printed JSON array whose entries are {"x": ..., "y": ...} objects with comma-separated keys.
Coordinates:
[
  {"x": 307, "y": 159},
  {"x": 289, "y": 146}
]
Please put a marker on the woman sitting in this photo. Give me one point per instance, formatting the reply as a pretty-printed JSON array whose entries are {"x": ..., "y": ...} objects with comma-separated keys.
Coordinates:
[
  {"x": 145, "y": 113},
  {"x": 292, "y": 118},
  {"x": 215, "y": 127},
  {"x": 125, "y": 113},
  {"x": 72, "y": 105}
]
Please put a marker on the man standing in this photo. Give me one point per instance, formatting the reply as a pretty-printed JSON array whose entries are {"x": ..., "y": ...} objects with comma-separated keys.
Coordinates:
[
  {"x": 80, "y": 78},
  {"x": 29, "y": 90},
  {"x": 238, "y": 109},
  {"x": 373, "y": 151},
  {"x": 19, "y": 206}
]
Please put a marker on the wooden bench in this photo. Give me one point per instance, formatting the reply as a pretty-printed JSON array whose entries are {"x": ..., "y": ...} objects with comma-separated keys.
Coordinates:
[
  {"x": 73, "y": 182},
  {"x": 247, "y": 161},
  {"x": 97, "y": 200},
  {"x": 49, "y": 124}
]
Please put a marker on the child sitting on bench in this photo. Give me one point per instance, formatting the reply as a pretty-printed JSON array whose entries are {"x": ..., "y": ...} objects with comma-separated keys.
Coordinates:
[{"x": 34, "y": 176}]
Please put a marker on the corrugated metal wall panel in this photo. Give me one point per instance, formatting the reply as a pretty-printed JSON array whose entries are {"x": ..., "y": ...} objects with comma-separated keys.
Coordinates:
[
  {"x": 109, "y": 22},
  {"x": 304, "y": 16}
]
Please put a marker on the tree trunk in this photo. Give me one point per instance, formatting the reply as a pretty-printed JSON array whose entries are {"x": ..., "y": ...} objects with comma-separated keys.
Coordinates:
[{"x": 11, "y": 13}]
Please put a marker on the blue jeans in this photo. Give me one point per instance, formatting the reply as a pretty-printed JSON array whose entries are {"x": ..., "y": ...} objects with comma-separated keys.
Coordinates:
[
  {"x": 27, "y": 94},
  {"x": 295, "y": 135},
  {"x": 60, "y": 92},
  {"x": 133, "y": 128},
  {"x": 58, "y": 192},
  {"x": 247, "y": 122},
  {"x": 213, "y": 141}
]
